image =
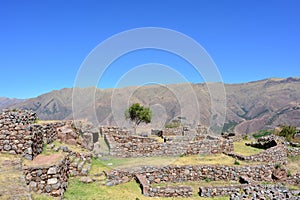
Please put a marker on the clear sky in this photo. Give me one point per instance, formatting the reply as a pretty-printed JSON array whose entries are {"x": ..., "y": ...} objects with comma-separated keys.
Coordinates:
[{"x": 43, "y": 43}]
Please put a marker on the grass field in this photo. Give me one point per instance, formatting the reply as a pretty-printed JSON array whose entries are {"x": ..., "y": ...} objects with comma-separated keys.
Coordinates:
[
  {"x": 131, "y": 190},
  {"x": 241, "y": 148},
  {"x": 293, "y": 164},
  {"x": 214, "y": 159}
]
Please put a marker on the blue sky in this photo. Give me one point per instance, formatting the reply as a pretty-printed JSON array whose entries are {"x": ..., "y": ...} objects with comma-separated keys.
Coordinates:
[{"x": 43, "y": 43}]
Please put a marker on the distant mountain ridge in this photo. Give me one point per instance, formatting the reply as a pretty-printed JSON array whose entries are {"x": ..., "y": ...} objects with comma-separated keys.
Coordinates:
[
  {"x": 7, "y": 102},
  {"x": 250, "y": 106}
]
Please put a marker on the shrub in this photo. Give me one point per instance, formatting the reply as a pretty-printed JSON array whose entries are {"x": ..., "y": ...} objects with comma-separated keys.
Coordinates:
[
  {"x": 278, "y": 166},
  {"x": 173, "y": 125},
  {"x": 288, "y": 132},
  {"x": 262, "y": 133},
  {"x": 245, "y": 137},
  {"x": 236, "y": 162},
  {"x": 207, "y": 180}
]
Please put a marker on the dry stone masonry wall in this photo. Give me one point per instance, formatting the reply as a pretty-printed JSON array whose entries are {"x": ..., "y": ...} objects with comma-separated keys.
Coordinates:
[
  {"x": 293, "y": 151},
  {"x": 164, "y": 191},
  {"x": 265, "y": 192},
  {"x": 50, "y": 131},
  {"x": 210, "y": 191},
  {"x": 50, "y": 179},
  {"x": 135, "y": 146},
  {"x": 148, "y": 176},
  {"x": 113, "y": 130},
  {"x": 173, "y": 173},
  {"x": 19, "y": 136},
  {"x": 277, "y": 154}
]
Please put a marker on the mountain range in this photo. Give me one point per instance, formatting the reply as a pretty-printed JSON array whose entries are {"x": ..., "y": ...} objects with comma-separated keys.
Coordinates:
[{"x": 249, "y": 106}]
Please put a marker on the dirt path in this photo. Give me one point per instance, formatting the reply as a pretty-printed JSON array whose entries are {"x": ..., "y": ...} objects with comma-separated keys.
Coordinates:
[{"x": 12, "y": 181}]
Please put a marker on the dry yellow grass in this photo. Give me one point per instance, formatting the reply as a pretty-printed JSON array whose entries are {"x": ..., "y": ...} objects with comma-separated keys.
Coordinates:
[
  {"x": 47, "y": 121},
  {"x": 241, "y": 148},
  {"x": 214, "y": 159},
  {"x": 293, "y": 164},
  {"x": 12, "y": 182}
]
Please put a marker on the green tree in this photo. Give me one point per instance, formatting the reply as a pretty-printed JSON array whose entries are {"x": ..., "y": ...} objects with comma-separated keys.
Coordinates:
[
  {"x": 288, "y": 132},
  {"x": 138, "y": 114}
]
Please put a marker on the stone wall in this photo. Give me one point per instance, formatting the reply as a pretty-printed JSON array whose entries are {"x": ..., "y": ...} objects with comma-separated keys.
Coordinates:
[
  {"x": 173, "y": 173},
  {"x": 113, "y": 130},
  {"x": 80, "y": 163},
  {"x": 9, "y": 118},
  {"x": 293, "y": 151},
  {"x": 164, "y": 191},
  {"x": 50, "y": 131},
  {"x": 132, "y": 146},
  {"x": 277, "y": 154},
  {"x": 172, "y": 131},
  {"x": 294, "y": 179},
  {"x": 19, "y": 136},
  {"x": 147, "y": 176},
  {"x": 212, "y": 191},
  {"x": 211, "y": 172},
  {"x": 265, "y": 192},
  {"x": 51, "y": 179}
]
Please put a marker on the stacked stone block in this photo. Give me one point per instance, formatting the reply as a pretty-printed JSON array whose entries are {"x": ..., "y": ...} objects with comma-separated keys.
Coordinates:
[{"x": 50, "y": 179}]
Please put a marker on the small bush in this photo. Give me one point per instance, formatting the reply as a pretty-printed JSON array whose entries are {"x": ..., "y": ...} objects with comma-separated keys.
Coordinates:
[
  {"x": 288, "y": 132},
  {"x": 278, "y": 166},
  {"x": 207, "y": 180},
  {"x": 245, "y": 137},
  {"x": 262, "y": 133},
  {"x": 236, "y": 162},
  {"x": 173, "y": 125},
  {"x": 289, "y": 173}
]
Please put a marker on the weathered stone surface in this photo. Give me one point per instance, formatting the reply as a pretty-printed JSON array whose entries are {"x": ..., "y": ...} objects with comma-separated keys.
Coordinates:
[
  {"x": 87, "y": 141},
  {"x": 277, "y": 154},
  {"x": 48, "y": 178},
  {"x": 196, "y": 173},
  {"x": 52, "y": 170},
  {"x": 261, "y": 192},
  {"x": 52, "y": 181},
  {"x": 279, "y": 174}
]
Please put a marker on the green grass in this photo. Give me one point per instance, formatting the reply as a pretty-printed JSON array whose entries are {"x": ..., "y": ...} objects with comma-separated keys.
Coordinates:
[
  {"x": 173, "y": 125},
  {"x": 42, "y": 197},
  {"x": 293, "y": 187},
  {"x": 96, "y": 191},
  {"x": 75, "y": 148},
  {"x": 241, "y": 148},
  {"x": 98, "y": 166},
  {"x": 262, "y": 133}
]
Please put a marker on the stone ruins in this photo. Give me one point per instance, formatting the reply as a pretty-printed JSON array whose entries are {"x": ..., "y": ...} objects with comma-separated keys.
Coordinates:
[{"x": 20, "y": 134}]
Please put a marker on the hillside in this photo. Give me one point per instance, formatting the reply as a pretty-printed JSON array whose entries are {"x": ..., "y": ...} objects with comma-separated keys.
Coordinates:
[
  {"x": 7, "y": 102},
  {"x": 250, "y": 106}
]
